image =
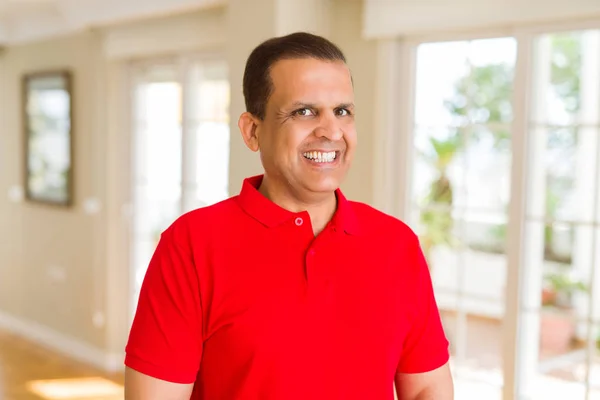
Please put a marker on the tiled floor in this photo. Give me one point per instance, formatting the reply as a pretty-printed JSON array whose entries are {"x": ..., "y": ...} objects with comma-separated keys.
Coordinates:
[{"x": 29, "y": 372}]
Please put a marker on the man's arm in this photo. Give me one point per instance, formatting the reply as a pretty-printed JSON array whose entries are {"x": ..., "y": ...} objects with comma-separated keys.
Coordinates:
[
  {"x": 143, "y": 387},
  {"x": 166, "y": 340},
  {"x": 423, "y": 371},
  {"x": 432, "y": 385}
]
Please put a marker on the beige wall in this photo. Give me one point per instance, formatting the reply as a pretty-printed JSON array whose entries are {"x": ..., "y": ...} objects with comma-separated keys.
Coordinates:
[
  {"x": 362, "y": 55},
  {"x": 248, "y": 25},
  {"x": 344, "y": 29},
  {"x": 52, "y": 258},
  {"x": 164, "y": 36},
  {"x": 38, "y": 244}
]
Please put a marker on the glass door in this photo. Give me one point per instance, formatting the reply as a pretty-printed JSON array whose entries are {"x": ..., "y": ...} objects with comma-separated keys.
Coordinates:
[
  {"x": 470, "y": 114},
  {"x": 157, "y": 160},
  {"x": 559, "y": 339},
  {"x": 460, "y": 195},
  {"x": 180, "y": 148}
]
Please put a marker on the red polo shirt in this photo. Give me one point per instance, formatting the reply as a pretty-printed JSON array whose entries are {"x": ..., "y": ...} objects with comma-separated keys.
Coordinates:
[{"x": 241, "y": 299}]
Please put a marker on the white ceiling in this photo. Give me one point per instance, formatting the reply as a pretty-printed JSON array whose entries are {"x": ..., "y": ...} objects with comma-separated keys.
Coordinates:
[{"x": 29, "y": 20}]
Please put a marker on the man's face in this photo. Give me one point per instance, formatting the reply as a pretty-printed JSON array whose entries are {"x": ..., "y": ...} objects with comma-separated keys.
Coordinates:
[{"x": 308, "y": 137}]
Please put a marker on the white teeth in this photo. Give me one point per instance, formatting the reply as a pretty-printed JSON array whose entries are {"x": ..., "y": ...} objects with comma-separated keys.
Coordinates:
[{"x": 317, "y": 156}]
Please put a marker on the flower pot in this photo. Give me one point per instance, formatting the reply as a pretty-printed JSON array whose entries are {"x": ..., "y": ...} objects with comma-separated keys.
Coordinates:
[{"x": 556, "y": 331}]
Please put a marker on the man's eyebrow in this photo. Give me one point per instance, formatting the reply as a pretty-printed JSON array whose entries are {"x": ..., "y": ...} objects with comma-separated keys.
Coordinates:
[
  {"x": 303, "y": 104},
  {"x": 312, "y": 105},
  {"x": 346, "y": 105}
]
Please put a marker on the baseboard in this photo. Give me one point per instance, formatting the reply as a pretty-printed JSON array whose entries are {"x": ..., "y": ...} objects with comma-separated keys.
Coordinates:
[{"x": 68, "y": 346}]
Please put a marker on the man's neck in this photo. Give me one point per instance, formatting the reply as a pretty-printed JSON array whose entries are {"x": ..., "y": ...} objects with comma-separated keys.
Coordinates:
[{"x": 320, "y": 208}]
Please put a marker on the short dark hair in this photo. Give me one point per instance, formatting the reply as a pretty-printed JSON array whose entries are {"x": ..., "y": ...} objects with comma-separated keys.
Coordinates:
[{"x": 258, "y": 85}]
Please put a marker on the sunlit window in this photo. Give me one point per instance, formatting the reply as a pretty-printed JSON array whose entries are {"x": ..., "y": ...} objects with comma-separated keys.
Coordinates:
[
  {"x": 460, "y": 195},
  {"x": 180, "y": 148}
]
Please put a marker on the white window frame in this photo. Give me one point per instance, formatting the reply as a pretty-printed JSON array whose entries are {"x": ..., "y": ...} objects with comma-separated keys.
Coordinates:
[{"x": 393, "y": 153}]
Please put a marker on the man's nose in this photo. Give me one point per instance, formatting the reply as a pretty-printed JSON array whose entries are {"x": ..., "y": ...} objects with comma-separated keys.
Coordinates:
[{"x": 329, "y": 127}]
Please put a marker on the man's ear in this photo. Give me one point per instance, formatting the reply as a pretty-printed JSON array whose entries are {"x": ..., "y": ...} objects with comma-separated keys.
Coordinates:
[{"x": 248, "y": 125}]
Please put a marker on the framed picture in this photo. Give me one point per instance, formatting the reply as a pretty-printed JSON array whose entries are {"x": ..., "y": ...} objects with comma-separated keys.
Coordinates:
[{"x": 48, "y": 132}]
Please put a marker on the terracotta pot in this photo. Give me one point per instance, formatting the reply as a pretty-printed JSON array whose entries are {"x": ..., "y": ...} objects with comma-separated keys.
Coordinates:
[
  {"x": 556, "y": 332},
  {"x": 548, "y": 296}
]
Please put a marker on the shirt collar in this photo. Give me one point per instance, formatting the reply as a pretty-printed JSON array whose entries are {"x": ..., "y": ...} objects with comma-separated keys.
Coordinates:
[{"x": 270, "y": 214}]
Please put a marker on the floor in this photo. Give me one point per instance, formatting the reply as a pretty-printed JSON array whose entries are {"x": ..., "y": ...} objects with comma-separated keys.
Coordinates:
[
  {"x": 29, "y": 372},
  {"x": 478, "y": 374}
]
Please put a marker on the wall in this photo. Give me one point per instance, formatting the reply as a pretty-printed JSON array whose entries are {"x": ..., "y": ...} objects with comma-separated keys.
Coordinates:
[
  {"x": 385, "y": 18},
  {"x": 344, "y": 28},
  {"x": 64, "y": 274},
  {"x": 258, "y": 20},
  {"x": 194, "y": 32},
  {"x": 361, "y": 55},
  {"x": 180, "y": 33},
  {"x": 52, "y": 259}
]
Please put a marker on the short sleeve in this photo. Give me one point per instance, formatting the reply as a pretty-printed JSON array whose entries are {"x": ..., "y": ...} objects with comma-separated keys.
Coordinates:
[
  {"x": 426, "y": 346},
  {"x": 165, "y": 340}
]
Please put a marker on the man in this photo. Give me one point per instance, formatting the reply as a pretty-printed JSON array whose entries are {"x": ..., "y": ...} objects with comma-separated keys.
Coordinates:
[{"x": 288, "y": 290}]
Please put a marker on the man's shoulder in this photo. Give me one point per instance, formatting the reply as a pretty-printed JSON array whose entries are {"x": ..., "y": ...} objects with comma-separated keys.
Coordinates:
[
  {"x": 213, "y": 211},
  {"x": 204, "y": 219},
  {"x": 374, "y": 220}
]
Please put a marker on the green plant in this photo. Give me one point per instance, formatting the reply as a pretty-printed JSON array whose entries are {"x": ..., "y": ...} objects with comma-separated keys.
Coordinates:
[
  {"x": 436, "y": 218},
  {"x": 560, "y": 287},
  {"x": 565, "y": 69},
  {"x": 484, "y": 97}
]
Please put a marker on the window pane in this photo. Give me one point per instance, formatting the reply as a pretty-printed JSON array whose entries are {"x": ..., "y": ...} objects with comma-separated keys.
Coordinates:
[
  {"x": 212, "y": 163},
  {"x": 562, "y": 374},
  {"x": 460, "y": 194},
  {"x": 561, "y": 242},
  {"x": 157, "y": 172},
  {"x": 208, "y": 127},
  {"x": 158, "y": 133},
  {"x": 475, "y": 85},
  {"x": 488, "y": 163},
  {"x": 209, "y": 100},
  {"x": 594, "y": 371},
  {"x": 154, "y": 212},
  {"x": 569, "y": 159},
  {"x": 560, "y": 60},
  {"x": 469, "y": 282},
  {"x": 437, "y": 85},
  {"x": 157, "y": 160},
  {"x": 439, "y": 172},
  {"x": 555, "y": 314},
  {"x": 490, "y": 81}
]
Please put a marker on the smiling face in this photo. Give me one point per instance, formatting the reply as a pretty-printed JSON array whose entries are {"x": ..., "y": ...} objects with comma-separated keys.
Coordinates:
[{"x": 307, "y": 138}]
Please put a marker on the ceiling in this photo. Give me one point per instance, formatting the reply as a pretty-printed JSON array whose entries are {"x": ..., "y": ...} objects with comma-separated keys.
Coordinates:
[{"x": 28, "y": 20}]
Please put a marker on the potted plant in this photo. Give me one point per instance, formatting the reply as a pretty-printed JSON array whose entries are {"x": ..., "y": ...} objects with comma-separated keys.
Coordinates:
[
  {"x": 557, "y": 328},
  {"x": 436, "y": 217}
]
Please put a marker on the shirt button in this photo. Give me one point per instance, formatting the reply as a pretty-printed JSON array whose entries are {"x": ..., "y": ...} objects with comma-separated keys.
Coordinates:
[{"x": 299, "y": 221}]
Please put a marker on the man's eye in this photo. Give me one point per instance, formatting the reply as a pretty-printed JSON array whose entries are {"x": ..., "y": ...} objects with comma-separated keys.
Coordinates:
[
  {"x": 303, "y": 112},
  {"x": 342, "y": 112}
]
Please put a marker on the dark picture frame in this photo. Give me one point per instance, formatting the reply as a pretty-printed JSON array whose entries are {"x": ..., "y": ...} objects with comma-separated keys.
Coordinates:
[{"x": 48, "y": 137}]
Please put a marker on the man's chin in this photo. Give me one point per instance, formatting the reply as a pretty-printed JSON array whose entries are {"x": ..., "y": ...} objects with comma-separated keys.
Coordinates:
[{"x": 323, "y": 185}]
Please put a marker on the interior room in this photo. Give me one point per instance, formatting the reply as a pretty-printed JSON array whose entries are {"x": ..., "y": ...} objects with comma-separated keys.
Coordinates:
[{"x": 478, "y": 126}]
